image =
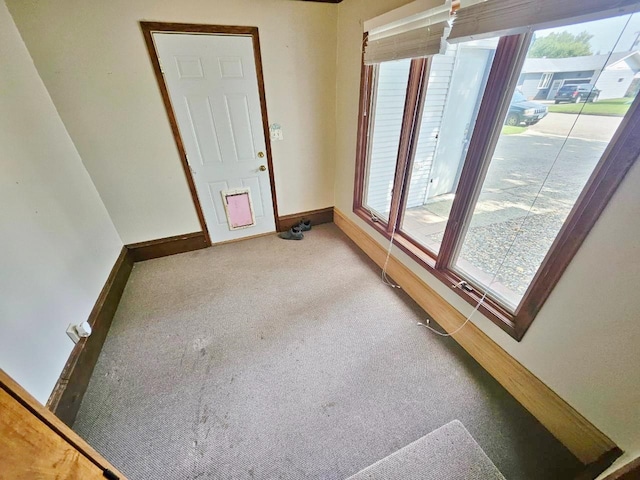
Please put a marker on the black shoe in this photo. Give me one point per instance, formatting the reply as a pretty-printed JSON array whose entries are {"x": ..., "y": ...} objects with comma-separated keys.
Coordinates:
[
  {"x": 293, "y": 234},
  {"x": 304, "y": 225}
]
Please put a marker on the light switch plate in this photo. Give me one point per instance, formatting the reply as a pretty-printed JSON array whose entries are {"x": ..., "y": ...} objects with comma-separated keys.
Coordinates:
[{"x": 275, "y": 132}]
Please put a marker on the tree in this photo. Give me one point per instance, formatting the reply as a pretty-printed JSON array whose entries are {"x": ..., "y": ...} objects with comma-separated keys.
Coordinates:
[{"x": 561, "y": 45}]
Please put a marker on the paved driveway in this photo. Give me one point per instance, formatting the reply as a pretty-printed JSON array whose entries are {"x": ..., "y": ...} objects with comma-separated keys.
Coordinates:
[
  {"x": 532, "y": 184},
  {"x": 592, "y": 127}
]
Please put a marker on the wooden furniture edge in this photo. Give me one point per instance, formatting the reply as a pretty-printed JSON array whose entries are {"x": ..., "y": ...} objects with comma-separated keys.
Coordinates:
[
  {"x": 317, "y": 217},
  {"x": 23, "y": 397},
  {"x": 582, "y": 438},
  {"x": 70, "y": 388},
  {"x": 163, "y": 247}
]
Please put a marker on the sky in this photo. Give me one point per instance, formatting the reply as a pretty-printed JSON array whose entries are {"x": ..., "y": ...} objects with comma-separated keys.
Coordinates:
[{"x": 611, "y": 34}]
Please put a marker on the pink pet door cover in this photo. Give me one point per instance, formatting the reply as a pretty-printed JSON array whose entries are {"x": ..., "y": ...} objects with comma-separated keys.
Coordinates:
[{"x": 239, "y": 209}]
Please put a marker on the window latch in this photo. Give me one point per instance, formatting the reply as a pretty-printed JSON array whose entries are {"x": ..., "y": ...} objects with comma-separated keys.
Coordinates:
[{"x": 463, "y": 285}]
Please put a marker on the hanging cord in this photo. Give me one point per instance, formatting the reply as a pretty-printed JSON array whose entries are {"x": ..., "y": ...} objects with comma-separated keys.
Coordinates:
[
  {"x": 518, "y": 231},
  {"x": 385, "y": 279}
]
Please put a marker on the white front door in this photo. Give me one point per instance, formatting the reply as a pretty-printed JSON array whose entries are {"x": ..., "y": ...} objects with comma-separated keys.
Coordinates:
[
  {"x": 213, "y": 87},
  {"x": 555, "y": 86}
]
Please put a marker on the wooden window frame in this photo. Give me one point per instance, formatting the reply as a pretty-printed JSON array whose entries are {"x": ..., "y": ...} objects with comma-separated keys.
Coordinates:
[{"x": 618, "y": 158}]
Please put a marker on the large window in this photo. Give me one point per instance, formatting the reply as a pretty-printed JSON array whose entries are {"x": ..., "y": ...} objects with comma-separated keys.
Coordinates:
[
  {"x": 488, "y": 180},
  {"x": 387, "y": 110},
  {"x": 451, "y": 101}
]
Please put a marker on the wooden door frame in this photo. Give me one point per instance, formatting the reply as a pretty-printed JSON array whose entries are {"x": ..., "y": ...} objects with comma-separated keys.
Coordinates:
[{"x": 148, "y": 29}]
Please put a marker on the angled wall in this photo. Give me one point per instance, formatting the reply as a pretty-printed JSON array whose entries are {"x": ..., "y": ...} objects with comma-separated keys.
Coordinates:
[{"x": 58, "y": 244}]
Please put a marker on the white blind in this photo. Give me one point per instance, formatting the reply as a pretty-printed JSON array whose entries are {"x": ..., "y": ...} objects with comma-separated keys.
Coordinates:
[
  {"x": 420, "y": 34},
  {"x": 414, "y": 43},
  {"x": 492, "y": 18}
]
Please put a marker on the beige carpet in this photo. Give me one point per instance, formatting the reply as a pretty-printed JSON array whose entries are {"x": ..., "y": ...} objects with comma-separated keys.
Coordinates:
[{"x": 275, "y": 359}]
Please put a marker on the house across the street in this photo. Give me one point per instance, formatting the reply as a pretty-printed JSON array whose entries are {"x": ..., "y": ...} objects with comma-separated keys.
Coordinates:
[{"x": 616, "y": 75}]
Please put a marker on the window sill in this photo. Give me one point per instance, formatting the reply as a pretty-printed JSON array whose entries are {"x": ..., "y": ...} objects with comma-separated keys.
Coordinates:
[{"x": 491, "y": 309}]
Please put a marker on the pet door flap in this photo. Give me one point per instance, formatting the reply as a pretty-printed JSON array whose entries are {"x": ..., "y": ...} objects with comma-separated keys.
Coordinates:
[{"x": 238, "y": 207}]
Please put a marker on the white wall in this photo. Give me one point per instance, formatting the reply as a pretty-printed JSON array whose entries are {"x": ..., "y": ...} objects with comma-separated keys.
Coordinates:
[
  {"x": 584, "y": 342},
  {"x": 57, "y": 244},
  {"x": 92, "y": 59}
]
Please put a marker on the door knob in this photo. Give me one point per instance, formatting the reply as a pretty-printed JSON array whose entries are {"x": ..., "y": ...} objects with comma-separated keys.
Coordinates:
[
  {"x": 261, "y": 154},
  {"x": 262, "y": 168}
]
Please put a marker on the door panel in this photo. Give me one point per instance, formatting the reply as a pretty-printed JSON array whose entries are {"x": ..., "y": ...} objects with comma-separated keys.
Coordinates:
[
  {"x": 213, "y": 87},
  {"x": 240, "y": 122},
  {"x": 254, "y": 185},
  {"x": 216, "y": 201},
  {"x": 202, "y": 123}
]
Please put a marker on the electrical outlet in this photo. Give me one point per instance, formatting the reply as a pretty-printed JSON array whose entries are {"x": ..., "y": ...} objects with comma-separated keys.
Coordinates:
[{"x": 73, "y": 333}]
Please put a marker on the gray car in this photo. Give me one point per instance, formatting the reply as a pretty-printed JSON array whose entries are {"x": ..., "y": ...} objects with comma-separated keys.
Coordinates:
[
  {"x": 577, "y": 94},
  {"x": 524, "y": 111}
]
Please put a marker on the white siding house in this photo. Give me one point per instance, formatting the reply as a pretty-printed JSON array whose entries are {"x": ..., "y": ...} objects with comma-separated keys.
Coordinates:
[
  {"x": 449, "y": 111},
  {"x": 611, "y": 73},
  {"x": 386, "y": 117},
  {"x": 615, "y": 80},
  {"x": 387, "y": 120},
  {"x": 439, "y": 81}
]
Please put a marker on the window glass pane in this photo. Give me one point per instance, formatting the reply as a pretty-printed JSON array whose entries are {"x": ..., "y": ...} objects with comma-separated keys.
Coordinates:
[
  {"x": 551, "y": 141},
  {"x": 456, "y": 84},
  {"x": 387, "y": 109}
]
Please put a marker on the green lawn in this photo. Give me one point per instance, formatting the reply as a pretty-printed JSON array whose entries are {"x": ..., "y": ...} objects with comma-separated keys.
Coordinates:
[
  {"x": 507, "y": 130},
  {"x": 615, "y": 107}
]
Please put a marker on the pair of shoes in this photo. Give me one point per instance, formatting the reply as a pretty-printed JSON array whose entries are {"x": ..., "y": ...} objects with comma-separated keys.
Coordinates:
[
  {"x": 304, "y": 225},
  {"x": 294, "y": 233}
]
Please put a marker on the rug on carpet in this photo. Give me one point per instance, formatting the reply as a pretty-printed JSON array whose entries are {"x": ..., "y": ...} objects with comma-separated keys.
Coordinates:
[{"x": 448, "y": 453}]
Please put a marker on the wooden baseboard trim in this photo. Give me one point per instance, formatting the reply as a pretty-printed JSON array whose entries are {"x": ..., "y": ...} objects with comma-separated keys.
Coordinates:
[
  {"x": 583, "y": 439},
  {"x": 317, "y": 217},
  {"x": 631, "y": 471},
  {"x": 69, "y": 390},
  {"x": 594, "y": 469},
  {"x": 167, "y": 246}
]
